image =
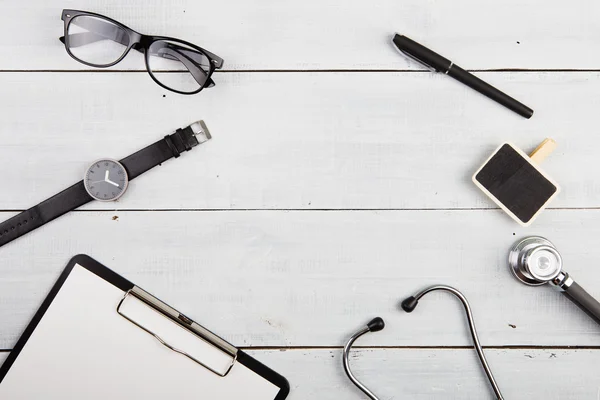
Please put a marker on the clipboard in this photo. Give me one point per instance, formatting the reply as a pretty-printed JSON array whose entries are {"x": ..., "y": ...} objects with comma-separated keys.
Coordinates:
[{"x": 99, "y": 336}]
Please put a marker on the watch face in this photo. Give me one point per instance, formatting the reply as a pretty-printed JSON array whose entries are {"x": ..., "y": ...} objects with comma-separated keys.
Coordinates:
[{"x": 106, "y": 180}]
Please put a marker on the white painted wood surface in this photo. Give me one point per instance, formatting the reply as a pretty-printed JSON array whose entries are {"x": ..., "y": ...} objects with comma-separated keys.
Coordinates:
[
  {"x": 326, "y": 34},
  {"x": 297, "y": 140},
  {"x": 299, "y": 278},
  {"x": 324, "y": 197},
  {"x": 437, "y": 374}
]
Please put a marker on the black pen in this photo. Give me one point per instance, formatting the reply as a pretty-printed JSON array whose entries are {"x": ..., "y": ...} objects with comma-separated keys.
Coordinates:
[{"x": 434, "y": 61}]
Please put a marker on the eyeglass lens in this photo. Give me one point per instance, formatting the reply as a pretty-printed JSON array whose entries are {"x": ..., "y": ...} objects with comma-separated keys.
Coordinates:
[
  {"x": 96, "y": 41},
  {"x": 178, "y": 66}
]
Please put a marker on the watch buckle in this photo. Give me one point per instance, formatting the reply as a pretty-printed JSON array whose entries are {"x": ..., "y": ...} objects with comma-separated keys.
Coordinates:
[{"x": 200, "y": 131}]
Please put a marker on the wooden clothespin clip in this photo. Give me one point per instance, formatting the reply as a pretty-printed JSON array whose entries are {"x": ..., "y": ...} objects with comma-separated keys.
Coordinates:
[{"x": 543, "y": 151}]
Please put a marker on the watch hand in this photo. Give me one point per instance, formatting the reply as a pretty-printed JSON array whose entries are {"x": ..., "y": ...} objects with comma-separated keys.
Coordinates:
[
  {"x": 112, "y": 183},
  {"x": 106, "y": 176}
]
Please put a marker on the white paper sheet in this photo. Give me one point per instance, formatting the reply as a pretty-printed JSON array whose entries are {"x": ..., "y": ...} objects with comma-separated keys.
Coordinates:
[{"x": 83, "y": 349}]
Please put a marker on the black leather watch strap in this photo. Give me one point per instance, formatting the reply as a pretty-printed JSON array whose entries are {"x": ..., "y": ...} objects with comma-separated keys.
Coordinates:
[
  {"x": 75, "y": 196},
  {"x": 170, "y": 146},
  {"x": 46, "y": 211}
]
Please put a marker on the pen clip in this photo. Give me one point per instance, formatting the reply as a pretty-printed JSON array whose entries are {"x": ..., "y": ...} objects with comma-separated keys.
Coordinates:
[
  {"x": 427, "y": 66},
  {"x": 412, "y": 57},
  {"x": 421, "y": 62}
]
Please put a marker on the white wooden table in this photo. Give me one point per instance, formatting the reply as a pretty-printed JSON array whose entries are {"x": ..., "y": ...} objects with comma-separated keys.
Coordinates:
[{"x": 337, "y": 183}]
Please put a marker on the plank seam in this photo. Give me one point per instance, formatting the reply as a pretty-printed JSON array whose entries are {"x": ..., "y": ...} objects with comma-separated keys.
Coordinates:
[
  {"x": 300, "y": 209},
  {"x": 341, "y": 70},
  {"x": 470, "y": 348},
  {"x": 509, "y": 347}
]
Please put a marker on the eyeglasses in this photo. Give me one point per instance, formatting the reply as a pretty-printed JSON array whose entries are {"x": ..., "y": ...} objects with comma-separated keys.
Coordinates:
[{"x": 174, "y": 64}]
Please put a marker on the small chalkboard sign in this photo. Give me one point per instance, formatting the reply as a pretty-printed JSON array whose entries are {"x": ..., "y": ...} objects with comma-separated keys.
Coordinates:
[{"x": 514, "y": 181}]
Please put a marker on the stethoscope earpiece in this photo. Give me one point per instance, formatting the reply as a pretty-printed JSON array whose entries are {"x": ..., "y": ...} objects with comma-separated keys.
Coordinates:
[
  {"x": 409, "y": 304},
  {"x": 376, "y": 324}
]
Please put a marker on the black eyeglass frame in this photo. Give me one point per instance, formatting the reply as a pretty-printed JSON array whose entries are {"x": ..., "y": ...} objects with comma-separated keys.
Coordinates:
[{"x": 141, "y": 43}]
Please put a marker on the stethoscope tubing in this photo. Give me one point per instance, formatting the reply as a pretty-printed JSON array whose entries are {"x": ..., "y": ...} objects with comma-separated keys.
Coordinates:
[
  {"x": 346, "y": 362},
  {"x": 409, "y": 305},
  {"x": 472, "y": 329}
]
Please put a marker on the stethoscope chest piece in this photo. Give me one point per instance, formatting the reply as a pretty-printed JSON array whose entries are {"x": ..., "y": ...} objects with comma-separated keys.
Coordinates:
[{"x": 535, "y": 261}]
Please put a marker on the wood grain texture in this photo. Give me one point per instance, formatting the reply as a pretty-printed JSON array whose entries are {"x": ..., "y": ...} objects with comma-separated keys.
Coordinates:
[
  {"x": 292, "y": 139},
  {"x": 326, "y": 34},
  {"x": 439, "y": 374},
  {"x": 296, "y": 140},
  {"x": 436, "y": 374},
  {"x": 274, "y": 278}
]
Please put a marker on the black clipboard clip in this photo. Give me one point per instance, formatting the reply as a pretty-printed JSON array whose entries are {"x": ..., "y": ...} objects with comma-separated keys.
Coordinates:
[{"x": 182, "y": 321}]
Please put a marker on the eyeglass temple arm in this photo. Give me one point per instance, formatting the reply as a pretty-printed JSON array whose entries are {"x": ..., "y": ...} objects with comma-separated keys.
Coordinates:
[
  {"x": 83, "y": 38},
  {"x": 411, "y": 303},
  {"x": 80, "y": 39},
  {"x": 197, "y": 72},
  {"x": 186, "y": 57},
  {"x": 375, "y": 325},
  {"x": 217, "y": 61}
]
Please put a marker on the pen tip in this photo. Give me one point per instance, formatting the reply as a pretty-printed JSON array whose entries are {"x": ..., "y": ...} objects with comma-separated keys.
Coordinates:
[{"x": 397, "y": 39}]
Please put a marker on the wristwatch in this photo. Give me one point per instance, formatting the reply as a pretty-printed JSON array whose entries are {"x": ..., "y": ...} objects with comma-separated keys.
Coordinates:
[{"x": 104, "y": 180}]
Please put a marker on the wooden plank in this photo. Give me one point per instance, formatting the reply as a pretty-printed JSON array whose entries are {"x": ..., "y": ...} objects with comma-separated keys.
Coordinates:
[
  {"x": 439, "y": 374},
  {"x": 296, "y": 140},
  {"x": 275, "y": 278},
  {"x": 436, "y": 373},
  {"x": 324, "y": 34}
]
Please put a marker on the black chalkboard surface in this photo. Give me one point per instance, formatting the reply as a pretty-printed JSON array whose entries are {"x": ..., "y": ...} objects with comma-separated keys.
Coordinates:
[{"x": 515, "y": 183}]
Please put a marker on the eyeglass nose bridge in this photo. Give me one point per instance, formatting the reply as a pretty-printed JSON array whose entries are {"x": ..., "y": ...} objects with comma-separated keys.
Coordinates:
[
  {"x": 142, "y": 41},
  {"x": 138, "y": 46}
]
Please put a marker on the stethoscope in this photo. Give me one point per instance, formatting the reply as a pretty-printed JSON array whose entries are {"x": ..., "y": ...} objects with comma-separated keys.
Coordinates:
[{"x": 534, "y": 261}]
